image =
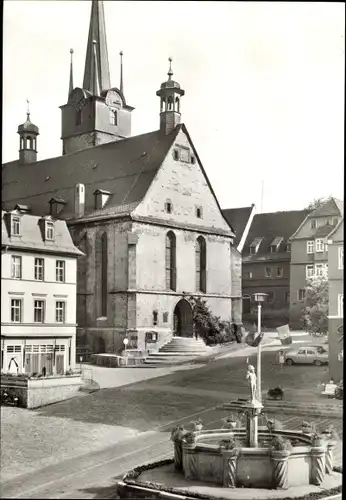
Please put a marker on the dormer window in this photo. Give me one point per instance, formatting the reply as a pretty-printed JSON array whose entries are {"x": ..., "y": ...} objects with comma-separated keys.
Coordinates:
[
  {"x": 15, "y": 225},
  {"x": 254, "y": 246},
  {"x": 168, "y": 207},
  {"x": 275, "y": 244},
  {"x": 56, "y": 206},
  {"x": 113, "y": 117},
  {"x": 313, "y": 223},
  {"x": 49, "y": 230},
  {"x": 101, "y": 198}
]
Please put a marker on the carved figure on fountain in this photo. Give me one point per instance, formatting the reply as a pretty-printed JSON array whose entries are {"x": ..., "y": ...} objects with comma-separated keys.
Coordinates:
[{"x": 252, "y": 381}]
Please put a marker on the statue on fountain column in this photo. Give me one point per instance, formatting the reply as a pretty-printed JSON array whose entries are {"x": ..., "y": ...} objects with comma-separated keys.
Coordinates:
[{"x": 252, "y": 378}]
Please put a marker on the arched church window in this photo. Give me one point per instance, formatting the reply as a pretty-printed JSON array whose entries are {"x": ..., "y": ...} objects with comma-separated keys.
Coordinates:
[
  {"x": 177, "y": 104},
  {"x": 113, "y": 117},
  {"x": 78, "y": 117},
  {"x": 201, "y": 265},
  {"x": 101, "y": 264},
  {"x": 170, "y": 261},
  {"x": 170, "y": 103},
  {"x": 29, "y": 143}
]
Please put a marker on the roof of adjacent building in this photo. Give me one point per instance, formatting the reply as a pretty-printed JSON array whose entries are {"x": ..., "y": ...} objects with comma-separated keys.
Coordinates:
[
  {"x": 125, "y": 168},
  {"x": 31, "y": 235},
  {"x": 238, "y": 218},
  {"x": 328, "y": 209},
  {"x": 269, "y": 226}
]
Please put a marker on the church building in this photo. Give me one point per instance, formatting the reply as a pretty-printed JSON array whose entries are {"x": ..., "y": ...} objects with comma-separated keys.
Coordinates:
[{"x": 140, "y": 208}]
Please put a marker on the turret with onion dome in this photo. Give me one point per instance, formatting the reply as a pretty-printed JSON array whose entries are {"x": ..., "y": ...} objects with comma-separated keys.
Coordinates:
[
  {"x": 28, "y": 133},
  {"x": 170, "y": 93}
]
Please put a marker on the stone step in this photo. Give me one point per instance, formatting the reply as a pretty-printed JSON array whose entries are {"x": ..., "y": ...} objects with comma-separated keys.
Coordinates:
[
  {"x": 174, "y": 353},
  {"x": 183, "y": 349},
  {"x": 165, "y": 361}
]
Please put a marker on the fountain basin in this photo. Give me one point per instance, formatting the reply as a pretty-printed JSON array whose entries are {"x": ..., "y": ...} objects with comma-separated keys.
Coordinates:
[{"x": 204, "y": 460}]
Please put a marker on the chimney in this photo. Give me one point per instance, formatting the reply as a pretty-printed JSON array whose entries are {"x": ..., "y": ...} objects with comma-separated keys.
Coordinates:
[{"x": 79, "y": 200}]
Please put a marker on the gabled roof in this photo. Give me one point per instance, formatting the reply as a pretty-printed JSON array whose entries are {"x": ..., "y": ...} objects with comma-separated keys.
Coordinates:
[
  {"x": 31, "y": 236},
  {"x": 238, "y": 218},
  {"x": 335, "y": 228},
  {"x": 328, "y": 208},
  {"x": 273, "y": 225},
  {"x": 126, "y": 168}
]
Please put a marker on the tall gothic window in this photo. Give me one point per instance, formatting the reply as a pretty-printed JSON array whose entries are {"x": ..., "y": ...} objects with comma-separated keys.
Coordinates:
[
  {"x": 101, "y": 274},
  {"x": 200, "y": 265},
  {"x": 104, "y": 285},
  {"x": 78, "y": 117},
  {"x": 170, "y": 261}
]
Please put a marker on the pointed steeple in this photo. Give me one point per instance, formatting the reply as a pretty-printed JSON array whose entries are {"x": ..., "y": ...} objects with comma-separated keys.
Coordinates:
[
  {"x": 95, "y": 82},
  {"x": 121, "y": 72},
  {"x": 70, "y": 88},
  {"x": 97, "y": 32}
]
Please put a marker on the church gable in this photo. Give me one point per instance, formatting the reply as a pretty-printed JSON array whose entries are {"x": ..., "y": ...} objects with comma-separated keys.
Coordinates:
[{"x": 180, "y": 192}]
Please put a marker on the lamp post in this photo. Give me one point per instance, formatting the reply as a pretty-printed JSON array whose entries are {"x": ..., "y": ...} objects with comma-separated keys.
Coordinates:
[
  {"x": 259, "y": 298},
  {"x": 125, "y": 342}
]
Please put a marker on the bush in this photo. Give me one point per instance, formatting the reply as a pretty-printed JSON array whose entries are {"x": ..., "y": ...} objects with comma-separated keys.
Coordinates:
[
  {"x": 278, "y": 443},
  {"x": 315, "y": 312}
]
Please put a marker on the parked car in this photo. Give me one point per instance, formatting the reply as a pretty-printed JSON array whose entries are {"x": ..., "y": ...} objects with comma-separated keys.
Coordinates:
[
  {"x": 306, "y": 355},
  {"x": 320, "y": 347}
]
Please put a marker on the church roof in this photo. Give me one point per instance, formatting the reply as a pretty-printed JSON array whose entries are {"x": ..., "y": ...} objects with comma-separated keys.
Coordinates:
[
  {"x": 31, "y": 235},
  {"x": 238, "y": 218},
  {"x": 125, "y": 168}
]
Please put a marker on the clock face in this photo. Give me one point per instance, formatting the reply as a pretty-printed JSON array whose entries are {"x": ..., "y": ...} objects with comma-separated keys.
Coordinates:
[{"x": 113, "y": 99}]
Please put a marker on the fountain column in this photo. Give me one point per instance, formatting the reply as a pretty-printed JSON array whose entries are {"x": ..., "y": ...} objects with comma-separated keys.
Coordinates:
[{"x": 252, "y": 410}]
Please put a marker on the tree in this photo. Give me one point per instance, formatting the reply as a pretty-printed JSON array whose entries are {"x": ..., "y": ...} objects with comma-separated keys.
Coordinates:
[
  {"x": 315, "y": 312},
  {"x": 317, "y": 202}
]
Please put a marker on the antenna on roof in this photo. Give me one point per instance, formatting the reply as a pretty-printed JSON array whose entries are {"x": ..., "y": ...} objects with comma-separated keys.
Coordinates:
[{"x": 262, "y": 191}]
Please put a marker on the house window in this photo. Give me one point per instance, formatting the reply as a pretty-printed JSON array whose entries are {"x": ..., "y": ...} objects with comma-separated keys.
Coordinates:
[
  {"x": 15, "y": 230},
  {"x": 301, "y": 294},
  {"x": 341, "y": 258},
  {"x": 113, "y": 117},
  {"x": 309, "y": 271},
  {"x": 313, "y": 223},
  {"x": 341, "y": 305},
  {"x": 273, "y": 249},
  {"x": 287, "y": 297},
  {"x": 16, "y": 267},
  {"x": 319, "y": 245},
  {"x": 249, "y": 275},
  {"x": 310, "y": 246},
  {"x": 319, "y": 271},
  {"x": 200, "y": 265},
  {"x": 49, "y": 231},
  {"x": 60, "y": 311},
  {"x": 168, "y": 207},
  {"x": 39, "y": 269},
  {"x": 16, "y": 310},
  {"x": 280, "y": 272},
  {"x": 184, "y": 154},
  {"x": 39, "y": 311},
  {"x": 60, "y": 271},
  {"x": 270, "y": 297},
  {"x": 170, "y": 261},
  {"x": 176, "y": 154},
  {"x": 199, "y": 212},
  {"x": 267, "y": 272}
]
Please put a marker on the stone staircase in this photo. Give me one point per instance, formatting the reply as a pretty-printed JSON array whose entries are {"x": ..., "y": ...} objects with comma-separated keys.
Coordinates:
[{"x": 177, "y": 350}]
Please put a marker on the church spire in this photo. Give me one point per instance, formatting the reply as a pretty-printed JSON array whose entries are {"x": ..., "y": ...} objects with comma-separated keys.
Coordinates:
[
  {"x": 97, "y": 32},
  {"x": 121, "y": 72},
  {"x": 71, "y": 74},
  {"x": 95, "y": 82}
]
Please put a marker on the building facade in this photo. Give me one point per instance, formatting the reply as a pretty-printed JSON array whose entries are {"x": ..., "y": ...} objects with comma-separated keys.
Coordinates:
[
  {"x": 38, "y": 294},
  {"x": 266, "y": 265},
  {"x": 140, "y": 208},
  {"x": 335, "y": 242},
  {"x": 309, "y": 253}
]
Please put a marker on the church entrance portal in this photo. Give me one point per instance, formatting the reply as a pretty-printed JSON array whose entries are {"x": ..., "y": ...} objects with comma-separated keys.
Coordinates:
[{"x": 182, "y": 319}]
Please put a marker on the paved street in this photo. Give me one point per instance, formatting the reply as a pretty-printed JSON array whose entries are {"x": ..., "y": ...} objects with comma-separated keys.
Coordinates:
[{"x": 120, "y": 428}]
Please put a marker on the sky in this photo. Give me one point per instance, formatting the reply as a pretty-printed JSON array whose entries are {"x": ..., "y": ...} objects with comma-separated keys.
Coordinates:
[{"x": 264, "y": 85}]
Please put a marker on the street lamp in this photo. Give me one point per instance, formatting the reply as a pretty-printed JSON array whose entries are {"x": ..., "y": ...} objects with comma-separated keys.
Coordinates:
[{"x": 259, "y": 298}]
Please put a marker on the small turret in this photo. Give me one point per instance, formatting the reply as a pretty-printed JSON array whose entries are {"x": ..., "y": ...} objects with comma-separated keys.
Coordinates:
[
  {"x": 28, "y": 133},
  {"x": 170, "y": 93}
]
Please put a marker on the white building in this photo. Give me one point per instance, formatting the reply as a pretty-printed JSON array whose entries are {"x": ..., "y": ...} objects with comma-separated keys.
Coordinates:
[{"x": 38, "y": 294}]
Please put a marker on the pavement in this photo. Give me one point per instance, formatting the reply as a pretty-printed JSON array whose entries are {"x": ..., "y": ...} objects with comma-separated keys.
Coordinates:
[{"x": 78, "y": 448}]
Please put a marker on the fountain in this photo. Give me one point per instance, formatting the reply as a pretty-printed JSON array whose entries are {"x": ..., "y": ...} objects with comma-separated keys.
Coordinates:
[{"x": 215, "y": 463}]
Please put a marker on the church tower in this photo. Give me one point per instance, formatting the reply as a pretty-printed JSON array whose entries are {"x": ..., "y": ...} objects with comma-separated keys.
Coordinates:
[
  {"x": 95, "y": 114},
  {"x": 28, "y": 133},
  {"x": 170, "y": 94}
]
